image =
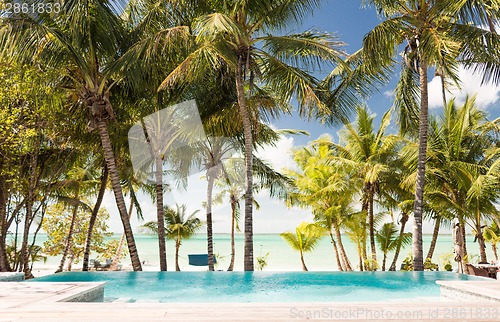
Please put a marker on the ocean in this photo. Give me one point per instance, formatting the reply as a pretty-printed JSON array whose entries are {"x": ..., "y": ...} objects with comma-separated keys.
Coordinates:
[{"x": 281, "y": 256}]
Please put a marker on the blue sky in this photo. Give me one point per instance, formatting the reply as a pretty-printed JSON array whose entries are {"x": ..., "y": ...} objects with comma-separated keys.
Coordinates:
[{"x": 347, "y": 20}]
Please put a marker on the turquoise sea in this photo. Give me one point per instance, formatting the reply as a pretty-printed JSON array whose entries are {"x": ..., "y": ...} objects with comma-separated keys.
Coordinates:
[{"x": 281, "y": 257}]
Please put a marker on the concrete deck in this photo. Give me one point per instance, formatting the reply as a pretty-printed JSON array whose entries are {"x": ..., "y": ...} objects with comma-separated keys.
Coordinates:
[{"x": 42, "y": 302}]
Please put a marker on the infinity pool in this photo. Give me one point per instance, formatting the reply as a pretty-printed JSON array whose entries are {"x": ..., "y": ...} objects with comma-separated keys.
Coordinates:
[{"x": 261, "y": 286}]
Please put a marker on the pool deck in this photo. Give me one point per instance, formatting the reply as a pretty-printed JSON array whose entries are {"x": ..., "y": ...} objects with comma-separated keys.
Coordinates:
[{"x": 47, "y": 302}]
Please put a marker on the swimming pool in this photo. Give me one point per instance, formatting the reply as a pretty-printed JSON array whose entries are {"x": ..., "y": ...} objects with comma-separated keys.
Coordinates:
[{"x": 261, "y": 286}]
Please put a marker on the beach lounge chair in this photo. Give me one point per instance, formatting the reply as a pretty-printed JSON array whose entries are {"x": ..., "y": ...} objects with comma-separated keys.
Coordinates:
[
  {"x": 476, "y": 271},
  {"x": 97, "y": 265},
  {"x": 199, "y": 259}
]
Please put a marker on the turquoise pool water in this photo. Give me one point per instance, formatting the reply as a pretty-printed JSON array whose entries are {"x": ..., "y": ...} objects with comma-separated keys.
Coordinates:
[{"x": 261, "y": 286}]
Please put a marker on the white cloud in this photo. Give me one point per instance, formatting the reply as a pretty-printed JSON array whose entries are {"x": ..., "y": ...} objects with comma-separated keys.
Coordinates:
[
  {"x": 486, "y": 95},
  {"x": 389, "y": 93},
  {"x": 278, "y": 156}
]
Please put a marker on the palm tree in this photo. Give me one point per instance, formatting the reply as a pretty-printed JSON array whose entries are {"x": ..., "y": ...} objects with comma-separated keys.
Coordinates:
[
  {"x": 438, "y": 34},
  {"x": 181, "y": 227},
  {"x": 232, "y": 185},
  {"x": 388, "y": 240},
  {"x": 491, "y": 234},
  {"x": 153, "y": 141},
  {"x": 481, "y": 199},
  {"x": 83, "y": 39},
  {"x": 305, "y": 238},
  {"x": 356, "y": 229},
  {"x": 78, "y": 180},
  {"x": 93, "y": 217},
  {"x": 178, "y": 226},
  {"x": 238, "y": 36},
  {"x": 457, "y": 157},
  {"x": 323, "y": 187},
  {"x": 370, "y": 155}
]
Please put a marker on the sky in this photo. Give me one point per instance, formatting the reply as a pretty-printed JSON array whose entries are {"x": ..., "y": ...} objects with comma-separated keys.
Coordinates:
[{"x": 349, "y": 22}]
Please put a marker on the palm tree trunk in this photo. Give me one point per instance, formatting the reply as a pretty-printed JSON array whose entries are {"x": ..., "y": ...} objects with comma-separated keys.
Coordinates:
[
  {"x": 25, "y": 253},
  {"x": 4, "y": 262},
  {"x": 464, "y": 235},
  {"x": 364, "y": 253},
  {"x": 383, "y": 261},
  {"x": 404, "y": 220},
  {"x": 117, "y": 190},
  {"x": 247, "y": 131},
  {"x": 435, "y": 234},
  {"x": 210, "y": 242},
  {"x": 67, "y": 247},
  {"x": 360, "y": 255},
  {"x": 233, "y": 224},
  {"x": 177, "y": 247},
  {"x": 336, "y": 251},
  {"x": 93, "y": 218},
  {"x": 343, "y": 254},
  {"x": 371, "y": 224},
  {"x": 70, "y": 261},
  {"x": 494, "y": 249},
  {"x": 480, "y": 238},
  {"x": 417, "y": 247},
  {"x": 304, "y": 267},
  {"x": 118, "y": 252},
  {"x": 160, "y": 213}
]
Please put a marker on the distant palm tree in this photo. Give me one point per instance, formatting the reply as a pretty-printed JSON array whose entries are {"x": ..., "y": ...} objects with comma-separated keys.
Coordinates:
[
  {"x": 369, "y": 153},
  {"x": 232, "y": 186},
  {"x": 178, "y": 226},
  {"x": 323, "y": 187},
  {"x": 388, "y": 239},
  {"x": 78, "y": 181},
  {"x": 491, "y": 234},
  {"x": 305, "y": 238}
]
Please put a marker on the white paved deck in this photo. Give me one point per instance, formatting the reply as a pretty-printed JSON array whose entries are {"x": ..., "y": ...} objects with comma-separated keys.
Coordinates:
[{"x": 41, "y": 302}]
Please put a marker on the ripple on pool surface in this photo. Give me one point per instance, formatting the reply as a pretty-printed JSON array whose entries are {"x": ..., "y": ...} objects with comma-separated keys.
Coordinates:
[{"x": 262, "y": 286}]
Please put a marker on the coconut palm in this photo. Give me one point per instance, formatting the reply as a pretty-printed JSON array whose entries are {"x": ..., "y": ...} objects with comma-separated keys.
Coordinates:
[
  {"x": 305, "y": 238},
  {"x": 231, "y": 184},
  {"x": 178, "y": 226},
  {"x": 370, "y": 155},
  {"x": 78, "y": 182},
  {"x": 388, "y": 240},
  {"x": 181, "y": 227},
  {"x": 481, "y": 201},
  {"x": 439, "y": 34},
  {"x": 491, "y": 234},
  {"x": 323, "y": 187},
  {"x": 458, "y": 141},
  {"x": 356, "y": 228},
  {"x": 93, "y": 217},
  {"x": 84, "y": 39},
  {"x": 239, "y": 36}
]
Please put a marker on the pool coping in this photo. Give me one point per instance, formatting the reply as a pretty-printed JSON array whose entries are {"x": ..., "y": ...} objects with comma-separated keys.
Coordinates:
[
  {"x": 21, "y": 294},
  {"x": 484, "y": 290}
]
